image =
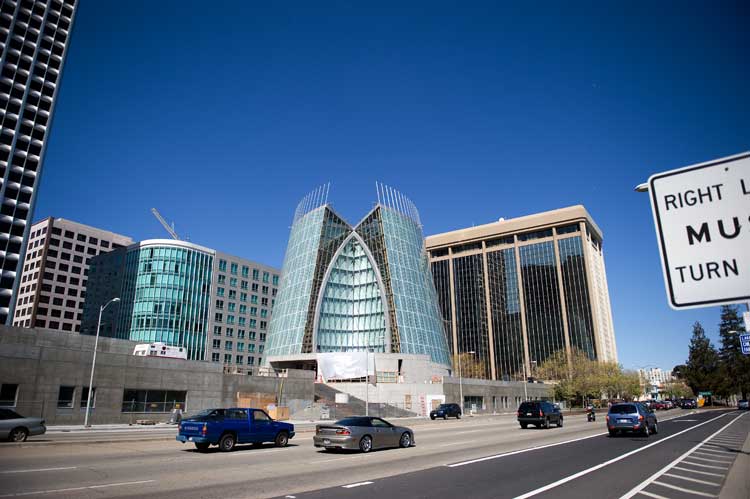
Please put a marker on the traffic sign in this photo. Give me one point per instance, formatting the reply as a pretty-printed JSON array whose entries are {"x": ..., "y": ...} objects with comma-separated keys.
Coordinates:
[
  {"x": 745, "y": 342},
  {"x": 702, "y": 214}
]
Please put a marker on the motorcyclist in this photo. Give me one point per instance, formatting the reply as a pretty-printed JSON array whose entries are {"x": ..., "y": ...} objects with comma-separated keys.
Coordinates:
[{"x": 590, "y": 413}]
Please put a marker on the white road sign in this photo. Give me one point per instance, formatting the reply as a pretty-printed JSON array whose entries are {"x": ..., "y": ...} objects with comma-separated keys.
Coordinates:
[{"x": 702, "y": 219}]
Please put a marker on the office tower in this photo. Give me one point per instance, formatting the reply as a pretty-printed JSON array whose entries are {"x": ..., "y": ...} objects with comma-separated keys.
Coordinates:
[
  {"x": 516, "y": 291},
  {"x": 34, "y": 37},
  {"x": 55, "y": 272}
]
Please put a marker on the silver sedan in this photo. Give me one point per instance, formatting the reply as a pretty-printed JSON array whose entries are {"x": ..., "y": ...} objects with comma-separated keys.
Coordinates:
[
  {"x": 362, "y": 432},
  {"x": 16, "y": 428}
]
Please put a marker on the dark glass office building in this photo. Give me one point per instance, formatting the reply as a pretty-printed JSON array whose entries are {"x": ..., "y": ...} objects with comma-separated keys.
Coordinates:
[
  {"x": 516, "y": 291},
  {"x": 34, "y": 37}
]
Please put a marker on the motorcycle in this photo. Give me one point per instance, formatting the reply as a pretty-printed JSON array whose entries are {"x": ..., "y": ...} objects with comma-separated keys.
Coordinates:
[{"x": 590, "y": 414}]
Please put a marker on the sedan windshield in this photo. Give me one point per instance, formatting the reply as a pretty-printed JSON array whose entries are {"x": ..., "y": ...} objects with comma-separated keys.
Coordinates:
[{"x": 444, "y": 406}]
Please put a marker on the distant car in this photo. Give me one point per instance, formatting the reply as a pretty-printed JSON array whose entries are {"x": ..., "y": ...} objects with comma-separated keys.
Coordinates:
[
  {"x": 669, "y": 404},
  {"x": 446, "y": 411},
  {"x": 743, "y": 405},
  {"x": 228, "y": 427},
  {"x": 362, "y": 432},
  {"x": 658, "y": 405},
  {"x": 631, "y": 417},
  {"x": 540, "y": 414},
  {"x": 16, "y": 428},
  {"x": 688, "y": 404}
]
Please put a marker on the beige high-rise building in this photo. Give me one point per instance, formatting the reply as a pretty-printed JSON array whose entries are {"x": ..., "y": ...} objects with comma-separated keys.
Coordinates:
[
  {"x": 54, "y": 275},
  {"x": 516, "y": 291}
]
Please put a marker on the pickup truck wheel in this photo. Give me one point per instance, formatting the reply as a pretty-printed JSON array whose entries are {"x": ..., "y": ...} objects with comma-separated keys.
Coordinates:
[
  {"x": 458, "y": 416},
  {"x": 524, "y": 425},
  {"x": 202, "y": 447},
  {"x": 445, "y": 416},
  {"x": 282, "y": 439},
  {"x": 227, "y": 442},
  {"x": 18, "y": 435},
  {"x": 560, "y": 423},
  {"x": 546, "y": 424}
]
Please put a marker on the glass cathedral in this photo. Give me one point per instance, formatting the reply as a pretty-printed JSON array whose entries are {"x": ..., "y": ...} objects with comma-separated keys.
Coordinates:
[{"x": 357, "y": 288}]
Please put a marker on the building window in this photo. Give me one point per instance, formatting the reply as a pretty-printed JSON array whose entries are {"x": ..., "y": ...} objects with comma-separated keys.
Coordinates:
[
  {"x": 243, "y": 285},
  {"x": 241, "y": 333},
  {"x": 250, "y": 361},
  {"x": 266, "y": 276},
  {"x": 222, "y": 279},
  {"x": 85, "y": 396},
  {"x": 240, "y": 347},
  {"x": 264, "y": 290},
  {"x": 223, "y": 265},
  {"x": 230, "y": 332},
  {"x": 233, "y": 268},
  {"x": 275, "y": 280},
  {"x": 227, "y": 345},
  {"x": 227, "y": 358},
  {"x": 134, "y": 400},
  {"x": 233, "y": 282},
  {"x": 263, "y": 324},
  {"x": 217, "y": 344},
  {"x": 65, "y": 397},
  {"x": 220, "y": 304},
  {"x": 256, "y": 274},
  {"x": 218, "y": 317},
  {"x": 215, "y": 357},
  {"x": 231, "y": 307},
  {"x": 219, "y": 291},
  {"x": 245, "y": 271},
  {"x": 8, "y": 395},
  {"x": 253, "y": 298},
  {"x": 240, "y": 359},
  {"x": 217, "y": 330}
]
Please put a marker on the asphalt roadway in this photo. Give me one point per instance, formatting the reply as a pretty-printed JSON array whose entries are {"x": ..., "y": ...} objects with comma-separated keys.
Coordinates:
[{"x": 474, "y": 457}]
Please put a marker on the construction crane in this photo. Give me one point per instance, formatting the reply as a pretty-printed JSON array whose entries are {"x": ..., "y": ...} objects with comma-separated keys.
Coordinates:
[{"x": 169, "y": 228}]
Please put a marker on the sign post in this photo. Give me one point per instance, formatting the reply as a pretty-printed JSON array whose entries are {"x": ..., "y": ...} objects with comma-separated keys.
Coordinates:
[{"x": 702, "y": 219}]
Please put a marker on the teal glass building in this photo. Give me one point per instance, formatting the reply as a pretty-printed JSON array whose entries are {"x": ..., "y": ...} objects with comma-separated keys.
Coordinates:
[
  {"x": 357, "y": 288},
  {"x": 165, "y": 294}
]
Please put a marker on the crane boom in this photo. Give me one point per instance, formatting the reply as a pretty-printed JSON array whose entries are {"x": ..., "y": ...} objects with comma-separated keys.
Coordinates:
[{"x": 167, "y": 227}]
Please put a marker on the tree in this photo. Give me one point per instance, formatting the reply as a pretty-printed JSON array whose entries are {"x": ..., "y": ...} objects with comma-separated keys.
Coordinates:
[
  {"x": 676, "y": 390},
  {"x": 702, "y": 368},
  {"x": 734, "y": 365},
  {"x": 471, "y": 366},
  {"x": 678, "y": 371}
]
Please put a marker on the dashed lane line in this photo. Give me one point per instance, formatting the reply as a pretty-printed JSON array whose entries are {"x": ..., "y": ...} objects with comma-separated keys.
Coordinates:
[
  {"x": 5, "y": 472},
  {"x": 73, "y": 489},
  {"x": 352, "y": 485}
]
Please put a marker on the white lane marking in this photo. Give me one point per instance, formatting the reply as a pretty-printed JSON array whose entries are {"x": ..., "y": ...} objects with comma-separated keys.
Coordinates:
[
  {"x": 650, "y": 494},
  {"x": 336, "y": 459},
  {"x": 352, "y": 485},
  {"x": 290, "y": 497},
  {"x": 685, "y": 420},
  {"x": 687, "y": 491},
  {"x": 698, "y": 471},
  {"x": 705, "y": 450},
  {"x": 705, "y": 465},
  {"x": 655, "y": 476},
  {"x": 90, "y": 487},
  {"x": 711, "y": 453},
  {"x": 253, "y": 452},
  {"x": 614, "y": 460},
  {"x": 529, "y": 449},
  {"x": 469, "y": 431},
  {"x": 462, "y": 442},
  {"x": 38, "y": 469},
  {"x": 712, "y": 460},
  {"x": 704, "y": 482}
]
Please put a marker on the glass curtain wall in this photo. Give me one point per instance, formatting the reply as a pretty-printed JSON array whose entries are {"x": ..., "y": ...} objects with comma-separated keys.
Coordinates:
[
  {"x": 352, "y": 316},
  {"x": 442, "y": 278},
  {"x": 293, "y": 300},
  {"x": 471, "y": 314},
  {"x": 542, "y": 300},
  {"x": 421, "y": 329},
  {"x": 370, "y": 230},
  {"x": 166, "y": 297},
  {"x": 506, "y": 314},
  {"x": 577, "y": 303}
]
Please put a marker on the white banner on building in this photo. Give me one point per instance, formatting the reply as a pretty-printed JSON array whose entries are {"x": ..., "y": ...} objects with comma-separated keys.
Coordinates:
[{"x": 345, "y": 365}]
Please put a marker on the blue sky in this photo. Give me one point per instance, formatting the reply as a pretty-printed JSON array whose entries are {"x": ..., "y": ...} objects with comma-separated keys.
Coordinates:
[{"x": 223, "y": 115}]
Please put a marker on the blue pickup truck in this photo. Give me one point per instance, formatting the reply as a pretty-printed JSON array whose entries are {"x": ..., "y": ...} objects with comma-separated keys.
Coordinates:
[{"x": 228, "y": 427}]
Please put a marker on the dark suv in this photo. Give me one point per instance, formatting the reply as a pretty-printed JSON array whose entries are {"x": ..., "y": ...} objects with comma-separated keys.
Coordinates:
[
  {"x": 446, "y": 411},
  {"x": 540, "y": 414}
]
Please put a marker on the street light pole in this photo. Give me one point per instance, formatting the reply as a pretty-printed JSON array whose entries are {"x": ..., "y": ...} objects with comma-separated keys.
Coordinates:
[{"x": 93, "y": 362}]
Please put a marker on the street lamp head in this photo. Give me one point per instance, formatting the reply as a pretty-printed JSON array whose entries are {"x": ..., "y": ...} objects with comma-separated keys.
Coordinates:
[
  {"x": 641, "y": 187},
  {"x": 115, "y": 300}
]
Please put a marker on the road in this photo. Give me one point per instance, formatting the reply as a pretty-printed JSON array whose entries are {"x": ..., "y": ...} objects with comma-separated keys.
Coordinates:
[{"x": 452, "y": 458}]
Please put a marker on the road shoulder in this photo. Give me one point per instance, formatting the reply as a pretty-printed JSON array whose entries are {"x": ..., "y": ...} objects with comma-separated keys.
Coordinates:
[{"x": 737, "y": 484}]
